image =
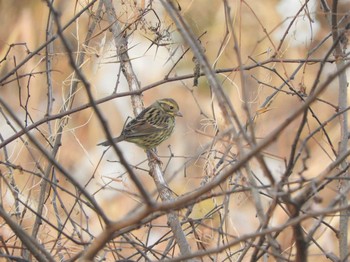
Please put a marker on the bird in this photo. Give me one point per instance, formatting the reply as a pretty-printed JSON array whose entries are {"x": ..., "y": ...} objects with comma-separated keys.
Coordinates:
[{"x": 152, "y": 126}]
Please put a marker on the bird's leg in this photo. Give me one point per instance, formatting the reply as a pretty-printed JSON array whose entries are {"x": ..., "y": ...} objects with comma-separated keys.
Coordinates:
[{"x": 153, "y": 154}]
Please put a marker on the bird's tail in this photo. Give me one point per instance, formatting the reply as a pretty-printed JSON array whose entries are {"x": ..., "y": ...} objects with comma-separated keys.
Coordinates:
[{"x": 115, "y": 140}]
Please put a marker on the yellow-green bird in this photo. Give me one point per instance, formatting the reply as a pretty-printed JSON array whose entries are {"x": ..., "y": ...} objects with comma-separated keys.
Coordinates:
[{"x": 152, "y": 126}]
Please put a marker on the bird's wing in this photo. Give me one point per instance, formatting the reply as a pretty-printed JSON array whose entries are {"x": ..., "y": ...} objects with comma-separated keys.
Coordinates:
[{"x": 142, "y": 128}]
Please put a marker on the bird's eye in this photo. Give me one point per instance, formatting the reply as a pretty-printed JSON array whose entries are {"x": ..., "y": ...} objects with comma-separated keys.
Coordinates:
[{"x": 171, "y": 107}]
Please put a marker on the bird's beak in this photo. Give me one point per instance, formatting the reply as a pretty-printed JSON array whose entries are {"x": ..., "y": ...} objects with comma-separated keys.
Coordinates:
[{"x": 178, "y": 114}]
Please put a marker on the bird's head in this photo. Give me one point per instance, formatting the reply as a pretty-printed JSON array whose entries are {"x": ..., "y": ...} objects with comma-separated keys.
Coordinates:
[{"x": 169, "y": 106}]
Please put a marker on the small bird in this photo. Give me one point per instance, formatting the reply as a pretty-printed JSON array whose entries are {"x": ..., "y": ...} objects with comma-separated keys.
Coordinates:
[{"x": 152, "y": 126}]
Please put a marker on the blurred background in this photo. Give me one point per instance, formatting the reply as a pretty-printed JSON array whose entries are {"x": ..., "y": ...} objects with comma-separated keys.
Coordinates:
[{"x": 274, "y": 39}]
